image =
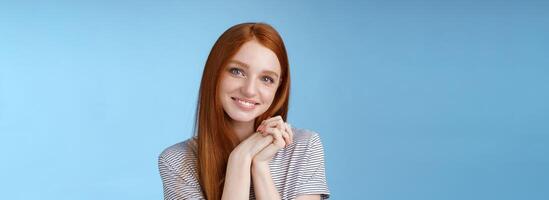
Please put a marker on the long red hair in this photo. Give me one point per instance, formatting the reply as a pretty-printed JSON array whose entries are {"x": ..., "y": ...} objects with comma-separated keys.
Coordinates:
[{"x": 216, "y": 139}]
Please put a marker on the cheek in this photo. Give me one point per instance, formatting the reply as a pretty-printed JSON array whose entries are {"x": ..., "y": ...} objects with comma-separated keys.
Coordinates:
[
  {"x": 228, "y": 84},
  {"x": 268, "y": 94}
]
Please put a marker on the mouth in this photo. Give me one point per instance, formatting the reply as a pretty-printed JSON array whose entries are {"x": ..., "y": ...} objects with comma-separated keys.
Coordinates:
[{"x": 245, "y": 103}]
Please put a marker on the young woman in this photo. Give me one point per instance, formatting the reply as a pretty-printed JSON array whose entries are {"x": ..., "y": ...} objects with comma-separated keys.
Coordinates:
[{"x": 243, "y": 148}]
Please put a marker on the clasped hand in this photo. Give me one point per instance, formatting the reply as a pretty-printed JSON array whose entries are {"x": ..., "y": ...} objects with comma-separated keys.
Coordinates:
[{"x": 271, "y": 135}]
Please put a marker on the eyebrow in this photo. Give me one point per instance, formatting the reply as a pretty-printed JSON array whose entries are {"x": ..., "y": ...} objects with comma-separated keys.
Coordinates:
[{"x": 247, "y": 66}]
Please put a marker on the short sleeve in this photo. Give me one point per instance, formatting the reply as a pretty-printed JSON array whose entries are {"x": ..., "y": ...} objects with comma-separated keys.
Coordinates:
[
  {"x": 312, "y": 179},
  {"x": 174, "y": 185}
]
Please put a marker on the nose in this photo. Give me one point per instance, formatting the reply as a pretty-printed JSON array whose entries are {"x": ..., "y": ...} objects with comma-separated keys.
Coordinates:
[{"x": 249, "y": 88}]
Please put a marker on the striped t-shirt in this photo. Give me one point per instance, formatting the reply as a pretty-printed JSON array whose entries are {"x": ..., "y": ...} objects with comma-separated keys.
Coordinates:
[{"x": 296, "y": 169}]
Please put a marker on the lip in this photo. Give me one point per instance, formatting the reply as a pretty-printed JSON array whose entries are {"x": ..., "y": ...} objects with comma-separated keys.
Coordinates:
[{"x": 244, "y": 106}]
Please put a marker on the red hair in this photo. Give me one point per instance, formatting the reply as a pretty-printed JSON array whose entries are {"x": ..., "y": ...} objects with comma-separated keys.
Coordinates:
[{"x": 216, "y": 139}]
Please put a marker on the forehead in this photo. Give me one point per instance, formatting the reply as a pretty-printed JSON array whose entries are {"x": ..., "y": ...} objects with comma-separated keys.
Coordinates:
[{"x": 257, "y": 57}]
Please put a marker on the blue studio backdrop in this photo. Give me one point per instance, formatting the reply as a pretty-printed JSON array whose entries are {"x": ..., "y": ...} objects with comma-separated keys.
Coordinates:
[{"x": 418, "y": 100}]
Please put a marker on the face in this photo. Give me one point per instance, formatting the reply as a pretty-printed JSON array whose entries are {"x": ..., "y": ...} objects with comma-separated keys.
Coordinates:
[{"x": 249, "y": 82}]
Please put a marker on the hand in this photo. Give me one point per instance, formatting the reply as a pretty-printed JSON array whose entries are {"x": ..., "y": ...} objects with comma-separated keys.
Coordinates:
[
  {"x": 238, "y": 172},
  {"x": 249, "y": 147},
  {"x": 282, "y": 135}
]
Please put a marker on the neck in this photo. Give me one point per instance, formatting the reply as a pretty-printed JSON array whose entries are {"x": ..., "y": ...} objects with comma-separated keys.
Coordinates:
[{"x": 243, "y": 129}]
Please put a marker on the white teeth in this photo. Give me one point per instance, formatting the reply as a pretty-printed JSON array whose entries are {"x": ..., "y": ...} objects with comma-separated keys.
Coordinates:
[{"x": 245, "y": 103}]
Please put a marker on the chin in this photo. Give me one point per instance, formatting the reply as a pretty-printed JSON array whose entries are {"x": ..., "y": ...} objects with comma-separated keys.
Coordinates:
[{"x": 242, "y": 117}]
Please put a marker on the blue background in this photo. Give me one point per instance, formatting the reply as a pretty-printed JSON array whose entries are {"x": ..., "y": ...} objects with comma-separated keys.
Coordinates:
[{"x": 412, "y": 99}]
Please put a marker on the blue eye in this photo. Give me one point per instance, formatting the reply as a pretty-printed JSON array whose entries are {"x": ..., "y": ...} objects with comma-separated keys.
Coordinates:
[
  {"x": 236, "y": 71},
  {"x": 268, "y": 79}
]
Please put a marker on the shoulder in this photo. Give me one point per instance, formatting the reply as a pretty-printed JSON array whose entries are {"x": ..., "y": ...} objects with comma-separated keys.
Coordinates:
[
  {"x": 177, "y": 165},
  {"x": 184, "y": 148},
  {"x": 306, "y": 145},
  {"x": 306, "y": 137},
  {"x": 301, "y": 165},
  {"x": 181, "y": 157}
]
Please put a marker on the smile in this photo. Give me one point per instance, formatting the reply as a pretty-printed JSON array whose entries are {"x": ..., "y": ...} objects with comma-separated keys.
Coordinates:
[{"x": 244, "y": 104}]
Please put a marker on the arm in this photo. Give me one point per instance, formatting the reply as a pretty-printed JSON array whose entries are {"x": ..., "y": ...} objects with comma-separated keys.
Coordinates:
[
  {"x": 264, "y": 186},
  {"x": 313, "y": 175},
  {"x": 237, "y": 178},
  {"x": 263, "y": 183}
]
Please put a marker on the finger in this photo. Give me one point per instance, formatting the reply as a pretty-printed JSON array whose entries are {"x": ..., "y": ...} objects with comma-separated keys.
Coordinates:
[
  {"x": 279, "y": 140},
  {"x": 269, "y": 121},
  {"x": 277, "y": 135},
  {"x": 259, "y": 142},
  {"x": 283, "y": 133},
  {"x": 259, "y": 136},
  {"x": 278, "y": 117},
  {"x": 265, "y": 141},
  {"x": 286, "y": 134},
  {"x": 264, "y": 130},
  {"x": 270, "y": 131},
  {"x": 286, "y": 137},
  {"x": 275, "y": 123},
  {"x": 290, "y": 132}
]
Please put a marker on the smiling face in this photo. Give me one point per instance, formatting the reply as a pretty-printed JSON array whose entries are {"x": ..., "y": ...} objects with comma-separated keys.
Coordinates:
[{"x": 249, "y": 82}]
